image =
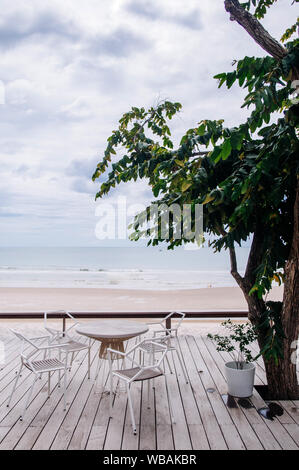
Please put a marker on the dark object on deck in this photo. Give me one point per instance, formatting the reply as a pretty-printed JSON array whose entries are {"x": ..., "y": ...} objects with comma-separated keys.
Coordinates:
[
  {"x": 275, "y": 409},
  {"x": 265, "y": 413},
  {"x": 272, "y": 411},
  {"x": 210, "y": 390},
  {"x": 245, "y": 403},
  {"x": 230, "y": 401}
]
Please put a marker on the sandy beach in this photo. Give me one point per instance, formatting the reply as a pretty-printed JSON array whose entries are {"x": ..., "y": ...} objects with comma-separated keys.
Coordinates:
[{"x": 90, "y": 299}]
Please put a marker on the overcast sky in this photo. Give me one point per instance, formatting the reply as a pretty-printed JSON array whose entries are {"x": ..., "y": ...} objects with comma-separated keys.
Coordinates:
[{"x": 70, "y": 69}]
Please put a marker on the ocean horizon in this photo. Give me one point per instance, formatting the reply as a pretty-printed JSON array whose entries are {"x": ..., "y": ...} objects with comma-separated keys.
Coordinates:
[{"x": 117, "y": 267}]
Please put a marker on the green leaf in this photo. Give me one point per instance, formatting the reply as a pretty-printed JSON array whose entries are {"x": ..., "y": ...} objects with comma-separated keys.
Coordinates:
[
  {"x": 186, "y": 185},
  {"x": 236, "y": 140},
  {"x": 226, "y": 149},
  {"x": 208, "y": 199},
  {"x": 180, "y": 163}
]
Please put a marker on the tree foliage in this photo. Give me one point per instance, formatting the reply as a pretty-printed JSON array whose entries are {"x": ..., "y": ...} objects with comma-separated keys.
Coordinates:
[{"x": 245, "y": 176}]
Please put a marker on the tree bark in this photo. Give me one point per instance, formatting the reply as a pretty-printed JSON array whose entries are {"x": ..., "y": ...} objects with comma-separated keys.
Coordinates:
[
  {"x": 282, "y": 377},
  {"x": 287, "y": 380},
  {"x": 255, "y": 29}
]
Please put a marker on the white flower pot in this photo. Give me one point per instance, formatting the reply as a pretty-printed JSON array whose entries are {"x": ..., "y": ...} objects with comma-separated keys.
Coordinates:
[{"x": 240, "y": 381}]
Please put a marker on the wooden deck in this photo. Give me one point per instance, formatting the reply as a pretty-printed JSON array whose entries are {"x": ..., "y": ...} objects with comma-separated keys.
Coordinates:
[{"x": 203, "y": 421}]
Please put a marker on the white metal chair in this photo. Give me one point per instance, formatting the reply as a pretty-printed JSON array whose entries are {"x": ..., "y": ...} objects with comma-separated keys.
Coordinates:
[
  {"x": 39, "y": 366},
  {"x": 168, "y": 337},
  {"x": 140, "y": 372},
  {"x": 70, "y": 345}
]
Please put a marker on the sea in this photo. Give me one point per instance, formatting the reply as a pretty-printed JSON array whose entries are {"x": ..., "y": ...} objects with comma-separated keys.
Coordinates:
[{"x": 131, "y": 267}]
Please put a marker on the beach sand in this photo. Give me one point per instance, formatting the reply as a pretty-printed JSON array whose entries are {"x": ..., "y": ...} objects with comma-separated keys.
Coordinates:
[{"x": 94, "y": 299}]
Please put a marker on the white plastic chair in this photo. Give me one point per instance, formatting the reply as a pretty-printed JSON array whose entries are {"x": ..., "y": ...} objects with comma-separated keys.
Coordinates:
[
  {"x": 71, "y": 346},
  {"x": 169, "y": 337},
  {"x": 39, "y": 366},
  {"x": 140, "y": 372}
]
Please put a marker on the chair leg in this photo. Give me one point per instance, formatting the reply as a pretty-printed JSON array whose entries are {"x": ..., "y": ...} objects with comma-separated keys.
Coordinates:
[
  {"x": 28, "y": 398},
  {"x": 172, "y": 356},
  {"x": 111, "y": 395},
  {"x": 15, "y": 385},
  {"x": 170, "y": 408},
  {"x": 168, "y": 363},
  {"x": 89, "y": 362},
  {"x": 49, "y": 384},
  {"x": 72, "y": 360},
  {"x": 131, "y": 409},
  {"x": 148, "y": 394},
  {"x": 59, "y": 373},
  {"x": 64, "y": 385},
  {"x": 182, "y": 366},
  {"x": 97, "y": 370},
  {"x": 103, "y": 375}
]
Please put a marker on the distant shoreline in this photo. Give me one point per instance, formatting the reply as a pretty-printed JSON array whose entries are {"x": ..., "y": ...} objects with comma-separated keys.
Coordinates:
[{"x": 30, "y": 299}]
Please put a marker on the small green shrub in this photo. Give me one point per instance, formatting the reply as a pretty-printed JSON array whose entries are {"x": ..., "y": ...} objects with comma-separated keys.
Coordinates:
[{"x": 240, "y": 336}]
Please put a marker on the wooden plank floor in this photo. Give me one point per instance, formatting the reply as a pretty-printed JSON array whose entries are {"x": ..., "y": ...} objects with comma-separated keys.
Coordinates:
[{"x": 203, "y": 421}]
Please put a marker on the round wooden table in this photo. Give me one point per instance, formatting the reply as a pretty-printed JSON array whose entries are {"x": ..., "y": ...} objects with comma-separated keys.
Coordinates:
[{"x": 112, "y": 333}]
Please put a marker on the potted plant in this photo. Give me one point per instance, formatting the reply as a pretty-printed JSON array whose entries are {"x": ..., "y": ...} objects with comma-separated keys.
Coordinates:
[{"x": 239, "y": 372}]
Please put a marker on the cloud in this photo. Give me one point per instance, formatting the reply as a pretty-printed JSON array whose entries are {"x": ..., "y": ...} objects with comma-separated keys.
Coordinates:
[
  {"x": 80, "y": 185},
  {"x": 121, "y": 42},
  {"x": 9, "y": 214},
  {"x": 81, "y": 172},
  {"x": 18, "y": 27},
  {"x": 84, "y": 168},
  {"x": 23, "y": 28},
  {"x": 146, "y": 9},
  {"x": 77, "y": 109},
  {"x": 70, "y": 74}
]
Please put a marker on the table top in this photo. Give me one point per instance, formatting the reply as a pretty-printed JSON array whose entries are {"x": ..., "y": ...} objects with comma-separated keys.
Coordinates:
[{"x": 112, "y": 329}]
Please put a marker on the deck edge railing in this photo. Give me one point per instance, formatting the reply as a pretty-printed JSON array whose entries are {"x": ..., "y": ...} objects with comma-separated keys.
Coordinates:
[{"x": 126, "y": 314}]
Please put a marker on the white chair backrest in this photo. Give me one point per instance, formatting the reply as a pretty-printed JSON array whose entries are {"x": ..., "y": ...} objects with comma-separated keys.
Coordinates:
[
  {"x": 53, "y": 331},
  {"x": 157, "y": 362},
  {"x": 160, "y": 359},
  {"x": 24, "y": 341},
  {"x": 172, "y": 314},
  {"x": 23, "y": 338}
]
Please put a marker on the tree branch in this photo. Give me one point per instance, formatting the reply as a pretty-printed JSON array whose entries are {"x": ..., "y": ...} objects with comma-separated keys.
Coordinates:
[
  {"x": 198, "y": 154},
  {"x": 255, "y": 29},
  {"x": 233, "y": 261},
  {"x": 255, "y": 256},
  {"x": 234, "y": 269}
]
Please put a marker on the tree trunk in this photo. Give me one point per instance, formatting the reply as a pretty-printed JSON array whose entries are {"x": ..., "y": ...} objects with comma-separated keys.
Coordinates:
[
  {"x": 284, "y": 379},
  {"x": 282, "y": 376}
]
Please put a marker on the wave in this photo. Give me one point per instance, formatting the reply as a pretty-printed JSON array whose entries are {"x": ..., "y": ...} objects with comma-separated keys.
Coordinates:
[{"x": 121, "y": 278}]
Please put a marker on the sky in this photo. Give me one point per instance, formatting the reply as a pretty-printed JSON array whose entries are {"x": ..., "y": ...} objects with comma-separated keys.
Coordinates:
[{"x": 70, "y": 69}]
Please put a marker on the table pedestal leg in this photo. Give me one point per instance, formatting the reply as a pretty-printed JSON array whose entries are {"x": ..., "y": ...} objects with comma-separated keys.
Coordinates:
[{"x": 116, "y": 344}]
